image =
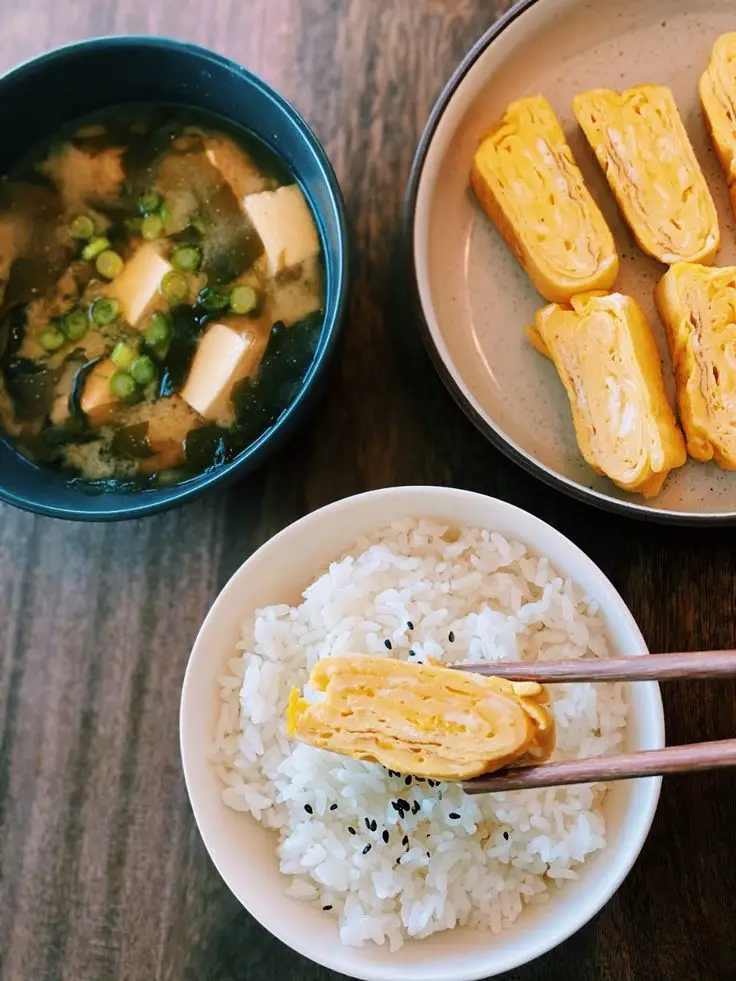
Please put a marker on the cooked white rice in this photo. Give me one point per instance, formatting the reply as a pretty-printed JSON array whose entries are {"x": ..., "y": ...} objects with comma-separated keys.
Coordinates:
[{"x": 452, "y": 859}]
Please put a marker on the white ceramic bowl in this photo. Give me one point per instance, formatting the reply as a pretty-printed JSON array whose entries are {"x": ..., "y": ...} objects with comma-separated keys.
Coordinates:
[{"x": 245, "y": 853}]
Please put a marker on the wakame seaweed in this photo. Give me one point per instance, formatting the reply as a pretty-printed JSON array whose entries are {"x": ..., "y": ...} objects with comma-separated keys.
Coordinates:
[
  {"x": 187, "y": 325},
  {"x": 260, "y": 400}
]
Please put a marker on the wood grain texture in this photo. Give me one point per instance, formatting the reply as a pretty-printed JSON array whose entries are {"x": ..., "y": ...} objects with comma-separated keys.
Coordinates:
[{"x": 102, "y": 873}]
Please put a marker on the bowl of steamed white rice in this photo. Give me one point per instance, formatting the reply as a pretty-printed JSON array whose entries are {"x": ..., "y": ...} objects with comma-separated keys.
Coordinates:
[{"x": 380, "y": 875}]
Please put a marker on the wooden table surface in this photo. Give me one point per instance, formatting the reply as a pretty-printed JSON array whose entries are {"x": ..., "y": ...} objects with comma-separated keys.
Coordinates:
[{"x": 102, "y": 872}]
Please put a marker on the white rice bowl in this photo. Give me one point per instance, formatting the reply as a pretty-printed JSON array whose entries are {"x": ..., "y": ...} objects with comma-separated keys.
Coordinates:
[
  {"x": 450, "y": 859},
  {"x": 388, "y": 874}
]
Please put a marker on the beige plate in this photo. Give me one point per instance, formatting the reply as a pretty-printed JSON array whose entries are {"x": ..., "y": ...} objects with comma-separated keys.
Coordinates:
[{"x": 474, "y": 297}]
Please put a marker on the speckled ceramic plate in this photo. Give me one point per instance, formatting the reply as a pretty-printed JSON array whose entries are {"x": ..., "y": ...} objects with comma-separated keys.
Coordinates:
[{"x": 474, "y": 298}]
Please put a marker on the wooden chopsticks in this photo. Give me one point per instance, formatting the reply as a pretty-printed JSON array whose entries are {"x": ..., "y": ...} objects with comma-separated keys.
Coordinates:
[
  {"x": 646, "y": 667},
  {"x": 646, "y": 763}
]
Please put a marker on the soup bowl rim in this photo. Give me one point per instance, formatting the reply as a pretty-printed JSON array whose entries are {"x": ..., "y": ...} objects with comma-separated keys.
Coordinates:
[{"x": 139, "y": 503}]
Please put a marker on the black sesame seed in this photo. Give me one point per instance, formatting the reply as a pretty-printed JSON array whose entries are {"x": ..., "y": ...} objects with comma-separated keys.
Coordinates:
[
  {"x": 416, "y": 807},
  {"x": 398, "y": 860},
  {"x": 403, "y": 804},
  {"x": 395, "y": 805},
  {"x": 385, "y": 836},
  {"x": 333, "y": 807},
  {"x": 410, "y": 625},
  {"x": 367, "y": 823},
  {"x": 407, "y": 781},
  {"x": 451, "y": 637},
  {"x": 366, "y": 849},
  {"x": 405, "y": 840},
  {"x": 308, "y": 809},
  {"x": 506, "y": 835},
  {"x": 326, "y": 908},
  {"x": 412, "y": 653},
  {"x": 454, "y": 816},
  {"x": 419, "y": 779},
  {"x": 431, "y": 783},
  {"x": 352, "y": 831},
  {"x": 427, "y": 854},
  {"x": 387, "y": 644}
]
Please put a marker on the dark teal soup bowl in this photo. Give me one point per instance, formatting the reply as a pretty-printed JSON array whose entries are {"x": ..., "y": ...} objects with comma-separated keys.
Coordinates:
[{"x": 40, "y": 97}]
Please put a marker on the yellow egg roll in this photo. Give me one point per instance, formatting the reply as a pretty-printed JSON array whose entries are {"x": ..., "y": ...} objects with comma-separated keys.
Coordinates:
[
  {"x": 608, "y": 361},
  {"x": 526, "y": 180},
  {"x": 718, "y": 99},
  {"x": 425, "y": 720},
  {"x": 698, "y": 307},
  {"x": 644, "y": 150}
]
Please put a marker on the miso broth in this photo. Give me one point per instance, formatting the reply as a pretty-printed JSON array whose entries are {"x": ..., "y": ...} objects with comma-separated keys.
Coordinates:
[{"x": 161, "y": 295}]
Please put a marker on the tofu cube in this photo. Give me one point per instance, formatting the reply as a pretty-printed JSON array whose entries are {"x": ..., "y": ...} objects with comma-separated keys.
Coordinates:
[
  {"x": 98, "y": 403},
  {"x": 224, "y": 357},
  {"x": 138, "y": 284},
  {"x": 285, "y": 225}
]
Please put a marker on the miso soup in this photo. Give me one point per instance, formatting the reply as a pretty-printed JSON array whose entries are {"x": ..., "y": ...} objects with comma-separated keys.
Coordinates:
[{"x": 161, "y": 295}]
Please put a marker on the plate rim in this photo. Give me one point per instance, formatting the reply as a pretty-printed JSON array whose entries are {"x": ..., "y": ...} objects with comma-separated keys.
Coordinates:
[{"x": 568, "y": 486}]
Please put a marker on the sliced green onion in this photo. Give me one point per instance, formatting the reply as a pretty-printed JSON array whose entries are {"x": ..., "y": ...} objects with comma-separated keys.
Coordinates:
[
  {"x": 152, "y": 227},
  {"x": 52, "y": 339},
  {"x": 123, "y": 355},
  {"x": 133, "y": 225},
  {"x": 243, "y": 299},
  {"x": 82, "y": 227},
  {"x": 92, "y": 249},
  {"x": 158, "y": 331},
  {"x": 109, "y": 264},
  {"x": 213, "y": 298},
  {"x": 163, "y": 213},
  {"x": 76, "y": 325},
  {"x": 122, "y": 385},
  {"x": 174, "y": 286},
  {"x": 104, "y": 310},
  {"x": 149, "y": 202},
  {"x": 187, "y": 258},
  {"x": 143, "y": 370}
]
